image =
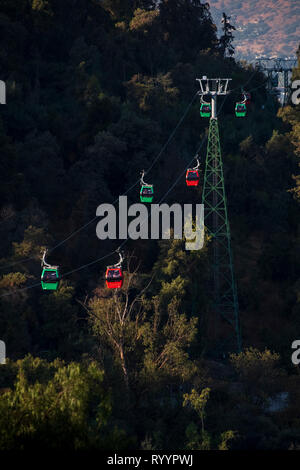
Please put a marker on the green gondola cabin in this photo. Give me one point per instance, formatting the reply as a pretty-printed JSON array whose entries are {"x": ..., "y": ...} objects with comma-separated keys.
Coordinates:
[
  {"x": 240, "y": 110},
  {"x": 205, "y": 110},
  {"x": 50, "y": 278},
  {"x": 146, "y": 193}
]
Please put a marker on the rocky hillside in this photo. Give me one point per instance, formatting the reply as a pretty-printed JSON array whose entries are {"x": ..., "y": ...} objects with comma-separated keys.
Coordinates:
[{"x": 270, "y": 28}]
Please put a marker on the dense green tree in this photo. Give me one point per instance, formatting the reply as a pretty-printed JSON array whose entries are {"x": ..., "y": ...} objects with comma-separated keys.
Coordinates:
[
  {"x": 187, "y": 27},
  {"x": 56, "y": 406}
]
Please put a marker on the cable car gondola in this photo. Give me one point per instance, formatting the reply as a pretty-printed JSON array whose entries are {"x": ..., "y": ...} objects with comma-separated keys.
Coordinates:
[
  {"x": 241, "y": 106},
  {"x": 274, "y": 80},
  {"x": 205, "y": 109},
  {"x": 240, "y": 109},
  {"x": 192, "y": 176},
  {"x": 50, "y": 275},
  {"x": 146, "y": 192},
  {"x": 248, "y": 98},
  {"x": 114, "y": 275}
]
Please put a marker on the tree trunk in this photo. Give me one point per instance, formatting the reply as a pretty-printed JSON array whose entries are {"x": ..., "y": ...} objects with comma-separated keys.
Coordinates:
[{"x": 124, "y": 368}]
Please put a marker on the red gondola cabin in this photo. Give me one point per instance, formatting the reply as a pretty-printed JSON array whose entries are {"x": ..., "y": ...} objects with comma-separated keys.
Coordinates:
[
  {"x": 192, "y": 177},
  {"x": 248, "y": 98},
  {"x": 114, "y": 278}
]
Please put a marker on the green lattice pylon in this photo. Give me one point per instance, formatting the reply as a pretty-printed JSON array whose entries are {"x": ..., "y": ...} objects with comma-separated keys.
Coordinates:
[{"x": 225, "y": 301}]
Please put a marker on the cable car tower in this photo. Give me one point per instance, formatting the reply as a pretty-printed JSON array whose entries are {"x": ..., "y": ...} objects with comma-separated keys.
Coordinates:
[
  {"x": 225, "y": 301},
  {"x": 276, "y": 68},
  {"x": 2, "y": 92}
]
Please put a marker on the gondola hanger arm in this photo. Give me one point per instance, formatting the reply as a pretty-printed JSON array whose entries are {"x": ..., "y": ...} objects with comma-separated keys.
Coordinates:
[
  {"x": 198, "y": 162},
  {"x": 43, "y": 262},
  {"x": 142, "y": 182}
]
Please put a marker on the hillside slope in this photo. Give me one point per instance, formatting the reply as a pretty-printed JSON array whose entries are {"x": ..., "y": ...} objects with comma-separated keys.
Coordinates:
[{"x": 272, "y": 28}]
